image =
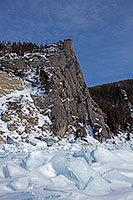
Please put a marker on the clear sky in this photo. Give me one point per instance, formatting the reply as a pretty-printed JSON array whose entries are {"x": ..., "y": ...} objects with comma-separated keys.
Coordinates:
[{"x": 102, "y": 32}]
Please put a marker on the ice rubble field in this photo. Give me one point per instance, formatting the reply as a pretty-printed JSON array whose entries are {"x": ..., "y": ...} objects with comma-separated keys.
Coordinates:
[{"x": 66, "y": 171}]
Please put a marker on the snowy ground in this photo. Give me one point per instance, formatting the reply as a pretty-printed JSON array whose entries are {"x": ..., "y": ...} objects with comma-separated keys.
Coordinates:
[{"x": 67, "y": 171}]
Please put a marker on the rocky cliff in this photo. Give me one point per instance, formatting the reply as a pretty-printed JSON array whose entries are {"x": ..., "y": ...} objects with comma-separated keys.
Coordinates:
[{"x": 44, "y": 95}]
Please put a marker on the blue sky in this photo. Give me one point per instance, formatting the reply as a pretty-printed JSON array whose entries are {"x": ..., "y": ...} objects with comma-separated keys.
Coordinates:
[{"x": 102, "y": 32}]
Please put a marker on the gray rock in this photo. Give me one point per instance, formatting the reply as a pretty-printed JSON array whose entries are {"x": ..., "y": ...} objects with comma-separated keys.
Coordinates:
[{"x": 69, "y": 97}]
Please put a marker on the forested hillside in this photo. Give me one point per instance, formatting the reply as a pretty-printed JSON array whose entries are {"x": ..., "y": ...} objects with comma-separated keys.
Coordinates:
[{"x": 116, "y": 100}]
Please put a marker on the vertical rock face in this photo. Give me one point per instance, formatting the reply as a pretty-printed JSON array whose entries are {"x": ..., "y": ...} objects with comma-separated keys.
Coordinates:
[
  {"x": 97, "y": 118},
  {"x": 72, "y": 108},
  {"x": 68, "y": 111},
  {"x": 68, "y": 45},
  {"x": 56, "y": 85}
]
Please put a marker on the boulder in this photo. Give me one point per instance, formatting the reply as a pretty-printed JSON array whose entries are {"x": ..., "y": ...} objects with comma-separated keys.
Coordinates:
[
  {"x": 6, "y": 118},
  {"x": 12, "y": 127}
]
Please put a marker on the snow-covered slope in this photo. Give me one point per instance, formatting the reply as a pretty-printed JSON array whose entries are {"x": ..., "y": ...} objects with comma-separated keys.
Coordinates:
[
  {"x": 20, "y": 120},
  {"x": 69, "y": 170}
]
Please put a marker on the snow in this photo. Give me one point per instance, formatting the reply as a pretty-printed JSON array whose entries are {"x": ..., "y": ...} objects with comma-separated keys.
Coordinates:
[
  {"x": 29, "y": 109},
  {"x": 114, "y": 176},
  {"x": 66, "y": 171}
]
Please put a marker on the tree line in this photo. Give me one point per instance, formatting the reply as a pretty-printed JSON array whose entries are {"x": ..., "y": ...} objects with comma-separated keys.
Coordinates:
[{"x": 20, "y": 47}]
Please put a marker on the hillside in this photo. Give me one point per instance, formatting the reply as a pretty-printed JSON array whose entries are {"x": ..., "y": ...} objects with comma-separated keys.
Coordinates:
[{"x": 116, "y": 101}]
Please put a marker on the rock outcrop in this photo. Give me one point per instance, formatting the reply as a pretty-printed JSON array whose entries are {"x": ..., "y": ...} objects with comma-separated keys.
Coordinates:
[
  {"x": 72, "y": 108},
  {"x": 55, "y": 83},
  {"x": 8, "y": 84}
]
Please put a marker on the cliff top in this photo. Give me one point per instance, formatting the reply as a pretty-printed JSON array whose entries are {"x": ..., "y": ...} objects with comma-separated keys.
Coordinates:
[{"x": 22, "y": 47}]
